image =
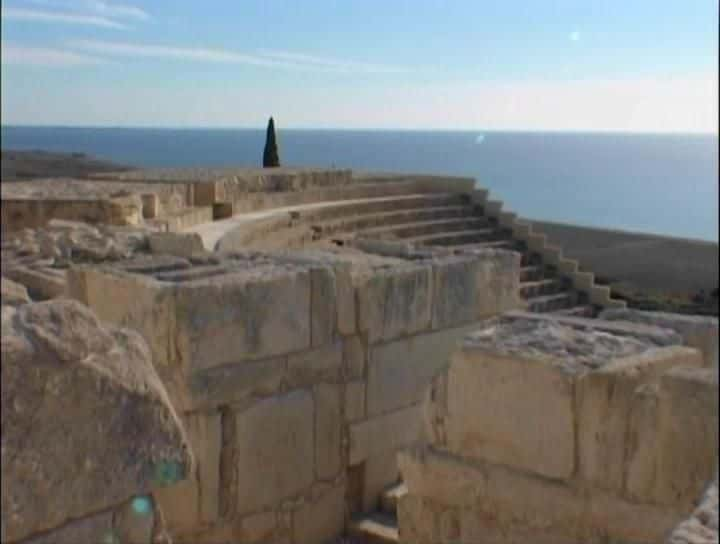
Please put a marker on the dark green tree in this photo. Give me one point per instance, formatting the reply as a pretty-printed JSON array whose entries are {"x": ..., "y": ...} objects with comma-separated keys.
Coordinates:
[{"x": 270, "y": 154}]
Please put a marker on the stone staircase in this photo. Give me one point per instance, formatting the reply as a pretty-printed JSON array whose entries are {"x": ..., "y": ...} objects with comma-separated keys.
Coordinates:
[
  {"x": 455, "y": 222},
  {"x": 379, "y": 527}
]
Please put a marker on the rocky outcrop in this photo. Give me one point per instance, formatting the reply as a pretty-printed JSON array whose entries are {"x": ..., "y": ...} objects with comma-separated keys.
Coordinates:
[
  {"x": 702, "y": 526},
  {"x": 86, "y": 424},
  {"x": 13, "y": 294}
]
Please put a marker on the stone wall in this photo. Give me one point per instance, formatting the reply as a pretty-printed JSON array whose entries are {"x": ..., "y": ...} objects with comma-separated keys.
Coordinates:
[
  {"x": 550, "y": 432},
  {"x": 18, "y": 214},
  {"x": 298, "y": 375},
  {"x": 88, "y": 432}
]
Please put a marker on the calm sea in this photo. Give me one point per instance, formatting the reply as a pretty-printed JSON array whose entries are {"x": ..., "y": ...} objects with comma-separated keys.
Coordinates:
[{"x": 665, "y": 184}]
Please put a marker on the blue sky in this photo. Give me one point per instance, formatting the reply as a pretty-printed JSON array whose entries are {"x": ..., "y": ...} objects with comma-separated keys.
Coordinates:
[{"x": 639, "y": 65}]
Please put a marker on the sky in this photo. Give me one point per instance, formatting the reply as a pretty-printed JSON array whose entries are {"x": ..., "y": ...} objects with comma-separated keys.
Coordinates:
[{"x": 559, "y": 65}]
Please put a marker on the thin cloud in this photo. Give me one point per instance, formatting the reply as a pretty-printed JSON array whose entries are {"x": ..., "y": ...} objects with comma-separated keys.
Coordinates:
[
  {"x": 342, "y": 65},
  {"x": 43, "y": 16},
  {"x": 44, "y": 56},
  {"x": 118, "y": 10},
  {"x": 289, "y": 61},
  {"x": 97, "y": 7}
]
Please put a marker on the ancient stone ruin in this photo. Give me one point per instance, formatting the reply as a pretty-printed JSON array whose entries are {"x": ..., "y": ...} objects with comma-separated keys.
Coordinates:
[{"x": 215, "y": 356}]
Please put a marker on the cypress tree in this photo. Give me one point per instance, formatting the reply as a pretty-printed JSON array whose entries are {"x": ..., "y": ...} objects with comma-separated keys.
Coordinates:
[{"x": 270, "y": 154}]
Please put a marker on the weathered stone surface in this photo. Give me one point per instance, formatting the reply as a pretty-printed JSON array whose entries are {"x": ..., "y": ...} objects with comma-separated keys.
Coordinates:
[
  {"x": 278, "y": 433},
  {"x": 702, "y": 526},
  {"x": 176, "y": 243},
  {"x": 236, "y": 383},
  {"x": 235, "y": 318},
  {"x": 505, "y": 498},
  {"x": 321, "y": 520},
  {"x": 323, "y": 364},
  {"x": 94, "y": 528},
  {"x": 468, "y": 288},
  {"x": 328, "y": 430},
  {"x": 400, "y": 372},
  {"x": 82, "y": 410},
  {"x": 195, "y": 502},
  {"x": 135, "y": 521},
  {"x": 513, "y": 411},
  {"x": 699, "y": 332},
  {"x": 354, "y": 357},
  {"x": 387, "y": 432},
  {"x": 395, "y": 302},
  {"x": 354, "y": 401},
  {"x": 381, "y": 471},
  {"x": 688, "y": 434},
  {"x": 259, "y": 528},
  {"x": 608, "y": 400},
  {"x": 13, "y": 294},
  {"x": 509, "y": 506},
  {"x": 323, "y": 305}
]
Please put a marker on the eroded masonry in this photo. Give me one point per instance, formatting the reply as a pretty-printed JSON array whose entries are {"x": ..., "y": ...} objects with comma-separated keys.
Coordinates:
[{"x": 302, "y": 356}]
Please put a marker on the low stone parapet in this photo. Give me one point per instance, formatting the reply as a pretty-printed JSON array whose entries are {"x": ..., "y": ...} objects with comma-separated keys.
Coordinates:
[
  {"x": 561, "y": 432},
  {"x": 700, "y": 332}
]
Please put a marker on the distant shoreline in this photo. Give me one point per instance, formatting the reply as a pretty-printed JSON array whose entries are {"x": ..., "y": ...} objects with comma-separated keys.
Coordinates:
[{"x": 28, "y": 165}]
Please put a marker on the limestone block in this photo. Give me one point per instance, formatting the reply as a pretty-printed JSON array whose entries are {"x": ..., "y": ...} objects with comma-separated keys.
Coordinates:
[
  {"x": 328, "y": 430},
  {"x": 387, "y": 432},
  {"x": 82, "y": 410},
  {"x": 345, "y": 292},
  {"x": 176, "y": 243},
  {"x": 135, "y": 521},
  {"x": 625, "y": 521},
  {"x": 607, "y": 399},
  {"x": 323, "y": 305},
  {"x": 354, "y": 401},
  {"x": 13, "y": 294},
  {"x": 96, "y": 527},
  {"x": 508, "y": 498},
  {"x": 236, "y": 383},
  {"x": 418, "y": 520},
  {"x": 642, "y": 441},
  {"x": 354, "y": 357},
  {"x": 688, "y": 434},
  {"x": 400, "y": 372},
  {"x": 323, "y": 364},
  {"x": 699, "y": 332},
  {"x": 259, "y": 528},
  {"x": 396, "y": 302},
  {"x": 278, "y": 433},
  {"x": 202, "y": 493},
  {"x": 512, "y": 410},
  {"x": 321, "y": 520},
  {"x": 467, "y": 288},
  {"x": 381, "y": 471},
  {"x": 235, "y": 318}
]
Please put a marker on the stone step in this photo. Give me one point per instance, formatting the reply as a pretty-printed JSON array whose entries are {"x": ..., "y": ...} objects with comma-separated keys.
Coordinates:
[
  {"x": 427, "y": 228},
  {"x": 586, "y": 310},
  {"x": 531, "y": 273},
  {"x": 375, "y": 528},
  {"x": 456, "y": 238},
  {"x": 390, "y": 497},
  {"x": 351, "y": 208},
  {"x": 545, "y": 286},
  {"x": 358, "y": 222},
  {"x": 492, "y": 244},
  {"x": 549, "y": 303}
]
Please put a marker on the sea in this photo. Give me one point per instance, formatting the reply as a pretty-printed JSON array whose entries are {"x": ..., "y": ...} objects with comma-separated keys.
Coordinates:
[{"x": 660, "y": 184}]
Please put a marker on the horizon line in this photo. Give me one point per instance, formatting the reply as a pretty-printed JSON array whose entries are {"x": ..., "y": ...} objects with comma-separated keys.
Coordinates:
[{"x": 367, "y": 129}]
